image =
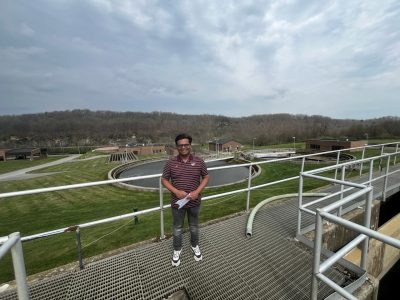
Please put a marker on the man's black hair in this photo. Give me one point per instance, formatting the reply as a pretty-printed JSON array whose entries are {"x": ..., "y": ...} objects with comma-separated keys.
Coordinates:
[{"x": 183, "y": 136}]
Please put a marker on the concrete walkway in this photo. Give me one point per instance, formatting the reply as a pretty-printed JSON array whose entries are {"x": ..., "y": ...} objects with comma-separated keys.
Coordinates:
[{"x": 22, "y": 173}]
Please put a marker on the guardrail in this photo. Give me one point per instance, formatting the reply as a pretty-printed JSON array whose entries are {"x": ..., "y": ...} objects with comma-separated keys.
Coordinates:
[
  {"x": 326, "y": 213},
  {"x": 13, "y": 243},
  {"x": 162, "y": 206}
]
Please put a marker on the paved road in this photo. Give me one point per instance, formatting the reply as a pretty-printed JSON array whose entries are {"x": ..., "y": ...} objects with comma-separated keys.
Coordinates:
[{"x": 22, "y": 173}]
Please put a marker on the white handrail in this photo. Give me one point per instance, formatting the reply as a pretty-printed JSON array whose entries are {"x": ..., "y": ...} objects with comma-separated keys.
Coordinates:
[
  {"x": 13, "y": 243},
  {"x": 5, "y": 240}
]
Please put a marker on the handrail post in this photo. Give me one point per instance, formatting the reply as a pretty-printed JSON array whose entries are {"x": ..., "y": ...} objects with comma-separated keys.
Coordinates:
[
  {"x": 380, "y": 160},
  {"x": 341, "y": 189},
  {"x": 300, "y": 203},
  {"x": 385, "y": 181},
  {"x": 303, "y": 161},
  {"x": 79, "y": 248},
  {"x": 397, "y": 149},
  {"x": 317, "y": 255},
  {"x": 337, "y": 162},
  {"x": 248, "y": 188},
  {"x": 371, "y": 171},
  {"x": 367, "y": 224},
  {"x": 162, "y": 235},
  {"x": 19, "y": 268},
  {"x": 362, "y": 160}
]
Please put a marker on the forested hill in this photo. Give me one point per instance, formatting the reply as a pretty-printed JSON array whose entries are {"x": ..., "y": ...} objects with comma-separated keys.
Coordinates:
[{"x": 106, "y": 127}]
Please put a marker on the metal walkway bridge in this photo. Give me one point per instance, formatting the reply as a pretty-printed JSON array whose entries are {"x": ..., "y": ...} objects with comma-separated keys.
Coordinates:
[{"x": 271, "y": 264}]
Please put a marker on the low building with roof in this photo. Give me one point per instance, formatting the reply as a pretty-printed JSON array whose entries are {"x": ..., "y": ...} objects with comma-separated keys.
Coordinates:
[
  {"x": 3, "y": 154},
  {"x": 22, "y": 153},
  {"x": 318, "y": 145},
  {"x": 224, "y": 145}
]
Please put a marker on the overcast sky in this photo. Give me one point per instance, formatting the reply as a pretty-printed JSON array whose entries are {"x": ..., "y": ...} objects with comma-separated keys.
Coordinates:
[{"x": 236, "y": 58}]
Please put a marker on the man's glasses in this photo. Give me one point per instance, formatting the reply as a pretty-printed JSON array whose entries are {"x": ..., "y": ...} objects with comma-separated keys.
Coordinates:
[{"x": 183, "y": 146}]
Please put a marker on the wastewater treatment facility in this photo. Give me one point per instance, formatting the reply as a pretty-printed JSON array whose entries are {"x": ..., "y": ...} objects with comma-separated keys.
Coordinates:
[{"x": 339, "y": 240}]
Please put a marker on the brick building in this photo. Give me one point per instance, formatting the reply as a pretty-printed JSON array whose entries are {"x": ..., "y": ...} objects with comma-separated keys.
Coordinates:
[
  {"x": 224, "y": 145},
  {"x": 316, "y": 145},
  {"x": 22, "y": 153}
]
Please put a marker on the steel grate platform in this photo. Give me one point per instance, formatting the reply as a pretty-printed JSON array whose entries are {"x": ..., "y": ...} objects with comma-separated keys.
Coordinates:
[{"x": 268, "y": 265}]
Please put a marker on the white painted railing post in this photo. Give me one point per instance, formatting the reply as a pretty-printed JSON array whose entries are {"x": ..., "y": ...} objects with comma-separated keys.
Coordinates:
[
  {"x": 337, "y": 162},
  {"x": 317, "y": 255},
  {"x": 162, "y": 235},
  {"x": 385, "y": 180},
  {"x": 362, "y": 161},
  {"x": 19, "y": 268},
  {"x": 248, "y": 188},
  {"x": 341, "y": 190},
  {"x": 300, "y": 205},
  {"x": 367, "y": 224}
]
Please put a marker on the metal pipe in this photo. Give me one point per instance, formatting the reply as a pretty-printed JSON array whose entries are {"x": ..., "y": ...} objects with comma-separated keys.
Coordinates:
[
  {"x": 348, "y": 183},
  {"x": 162, "y": 235},
  {"x": 19, "y": 268},
  {"x": 336, "y": 287},
  {"x": 329, "y": 262},
  {"x": 316, "y": 254},
  {"x": 341, "y": 189},
  {"x": 337, "y": 163},
  {"x": 8, "y": 243},
  {"x": 380, "y": 160},
  {"x": 250, "y": 219},
  {"x": 362, "y": 161},
  {"x": 385, "y": 180},
  {"x": 327, "y": 197},
  {"x": 300, "y": 203},
  {"x": 248, "y": 190},
  {"x": 79, "y": 248},
  {"x": 349, "y": 198},
  {"x": 356, "y": 227},
  {"x": 367, "y": 224}
]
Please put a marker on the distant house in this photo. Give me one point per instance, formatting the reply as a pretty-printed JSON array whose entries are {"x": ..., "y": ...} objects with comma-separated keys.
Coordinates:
[
  {"x": 22, "y": 153},
  {"x": 317, "y": 145},
  {"x": 3, "y": 154},
  {"x": 224, "y": 145}
]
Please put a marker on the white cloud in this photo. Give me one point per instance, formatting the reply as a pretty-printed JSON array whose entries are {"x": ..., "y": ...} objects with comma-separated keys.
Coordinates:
[{"x": 224, "y": 57}]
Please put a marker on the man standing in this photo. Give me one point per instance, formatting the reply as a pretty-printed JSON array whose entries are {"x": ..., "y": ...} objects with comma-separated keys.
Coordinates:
[{"x": 185, "y": 176}]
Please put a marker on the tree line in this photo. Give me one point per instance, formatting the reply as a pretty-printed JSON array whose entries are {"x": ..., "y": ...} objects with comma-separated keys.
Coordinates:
[{"x": 85, "y": 127}]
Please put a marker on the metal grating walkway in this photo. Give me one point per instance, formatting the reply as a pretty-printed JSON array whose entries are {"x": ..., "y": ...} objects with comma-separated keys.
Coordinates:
[{"x": 268, "y": 265}]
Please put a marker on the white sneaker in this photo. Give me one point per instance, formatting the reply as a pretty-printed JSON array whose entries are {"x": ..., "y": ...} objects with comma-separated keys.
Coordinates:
[
  {"x": 197, "y": 254},
  {"x": 176, "y": 258}
]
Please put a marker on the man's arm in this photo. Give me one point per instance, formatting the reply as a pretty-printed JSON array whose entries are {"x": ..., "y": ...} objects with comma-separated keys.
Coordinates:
[
  {"x": 195, "y": 194},
  {"x": 180, "y": 194}
]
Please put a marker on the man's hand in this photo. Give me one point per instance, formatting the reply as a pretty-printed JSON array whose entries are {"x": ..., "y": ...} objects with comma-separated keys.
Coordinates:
[
  {"x": 194, "y": 195},
  {"x": 180, "y": 194}
]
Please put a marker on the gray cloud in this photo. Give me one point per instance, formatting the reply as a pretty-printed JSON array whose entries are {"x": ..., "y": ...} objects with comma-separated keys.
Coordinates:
[{"x": 334, "y": 58}]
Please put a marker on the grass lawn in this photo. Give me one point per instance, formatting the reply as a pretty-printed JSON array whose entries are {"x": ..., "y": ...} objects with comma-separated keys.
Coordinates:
[{"x": 48, "y": 211}]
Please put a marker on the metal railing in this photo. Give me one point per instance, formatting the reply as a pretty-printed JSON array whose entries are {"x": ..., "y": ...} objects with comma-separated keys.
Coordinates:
[
  {"x": 13, "y": 243},
  {"x": 333, "y": 212},
  {"x": 162, "y": 206}
]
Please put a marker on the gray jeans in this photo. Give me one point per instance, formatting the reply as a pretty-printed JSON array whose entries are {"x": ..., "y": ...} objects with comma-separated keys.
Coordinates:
[{"x": 193, "y": 219}]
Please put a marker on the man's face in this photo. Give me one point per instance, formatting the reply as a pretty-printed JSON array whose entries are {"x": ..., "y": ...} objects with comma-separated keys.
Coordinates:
[{"x": 183, "y": 147}]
